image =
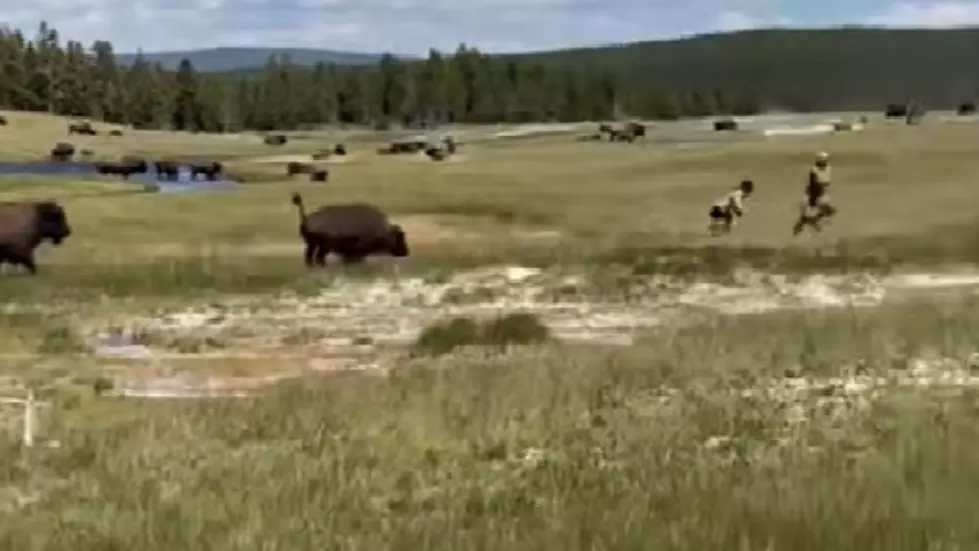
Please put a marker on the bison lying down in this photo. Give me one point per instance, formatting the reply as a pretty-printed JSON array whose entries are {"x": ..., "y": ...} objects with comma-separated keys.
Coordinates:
[
  {"x": 351, "y": 231},
  {"x": 24, "y": 225}
]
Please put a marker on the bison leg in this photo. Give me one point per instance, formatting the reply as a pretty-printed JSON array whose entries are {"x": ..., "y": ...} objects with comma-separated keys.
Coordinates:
[
  {"x": 24, "y": 259},
  {"x": 321, "y": 253},
  {"x": 311, "y": 247}
]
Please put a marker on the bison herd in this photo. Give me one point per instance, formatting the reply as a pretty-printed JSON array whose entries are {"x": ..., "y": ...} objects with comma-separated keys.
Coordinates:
[{"x": 351, "y": 231}]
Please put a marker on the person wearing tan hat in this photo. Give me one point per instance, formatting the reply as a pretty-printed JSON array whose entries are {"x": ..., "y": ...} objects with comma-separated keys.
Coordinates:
[{"x": 816, "y": 205}]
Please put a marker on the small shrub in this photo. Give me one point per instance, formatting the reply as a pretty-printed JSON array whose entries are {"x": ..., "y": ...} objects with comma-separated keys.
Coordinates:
[
  {"x": 62, "y": 340},
  {"x": 517, "y": 328},
  {"x": 444, "y": 337},
  {"x": 511, "y": 329}
]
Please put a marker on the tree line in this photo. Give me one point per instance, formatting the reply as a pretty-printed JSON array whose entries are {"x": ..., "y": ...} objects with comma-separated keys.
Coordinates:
[{"x": 45, "y": 75}]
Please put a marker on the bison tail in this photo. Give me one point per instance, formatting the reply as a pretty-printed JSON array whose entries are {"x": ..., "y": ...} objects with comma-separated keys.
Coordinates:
[{"x": 298, "y": 201}]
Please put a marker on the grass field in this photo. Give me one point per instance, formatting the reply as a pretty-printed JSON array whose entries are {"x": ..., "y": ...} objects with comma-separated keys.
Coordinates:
[{"x": 728, "y": 418}]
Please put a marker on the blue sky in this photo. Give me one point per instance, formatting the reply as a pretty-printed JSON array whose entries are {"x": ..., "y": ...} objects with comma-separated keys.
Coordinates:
[{"x": 412, "y": 26}]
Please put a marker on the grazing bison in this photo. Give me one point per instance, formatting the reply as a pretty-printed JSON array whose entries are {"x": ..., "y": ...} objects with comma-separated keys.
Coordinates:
[
  {"x": 968, "y": 108},
  {"x": 352, "y": 231},
  {"x": 321, "y": 155},
  {"x": 211, "y": 171},
  {"x": 62, "y": 152},
  {"x": 115, "y": 133},
  {"x": 276, "y": 139},
  {"x": 637, "y": 130},
  {"x": 125, "y": 168},
  {"x": 84, "y": 128},
  {"x": 26, "y": 224},
  {"x": 340, "y": 150},
  {"x": 3, "y": 120},
  {"x": 167, "y": 170},
  {"x": 320, "y": 175}
]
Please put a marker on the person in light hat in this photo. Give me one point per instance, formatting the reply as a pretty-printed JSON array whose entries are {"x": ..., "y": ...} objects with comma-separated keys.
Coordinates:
[
  {"x": 725, "y": 212},
  {"x": 816, "y": 206}
]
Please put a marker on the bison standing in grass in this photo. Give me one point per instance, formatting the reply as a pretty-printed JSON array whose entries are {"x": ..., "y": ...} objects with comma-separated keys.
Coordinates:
[
  {"x": 62, "y": 152},
  {"x": 167, "y": 170},
  {"x": 26, "y": 224},
  {"x": 352, "y": 231}
]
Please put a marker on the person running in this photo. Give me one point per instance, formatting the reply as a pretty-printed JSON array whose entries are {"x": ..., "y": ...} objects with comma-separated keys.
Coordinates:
[
  {"x": 816, "y": 205},
  {"x": 725, "y": 212}
]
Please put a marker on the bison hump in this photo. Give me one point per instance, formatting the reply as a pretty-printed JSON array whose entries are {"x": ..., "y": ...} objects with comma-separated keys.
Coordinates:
[{"x": 350, "y": 220}]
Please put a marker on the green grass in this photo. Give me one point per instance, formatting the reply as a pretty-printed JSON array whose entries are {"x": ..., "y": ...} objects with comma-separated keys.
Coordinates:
[
  {"x": 541, "y": 446},
  {"x": 554, "y": 449}
]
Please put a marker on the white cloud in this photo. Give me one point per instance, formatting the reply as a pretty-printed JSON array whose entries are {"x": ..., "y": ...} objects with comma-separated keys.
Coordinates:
[{"x": 929, "y": 14}]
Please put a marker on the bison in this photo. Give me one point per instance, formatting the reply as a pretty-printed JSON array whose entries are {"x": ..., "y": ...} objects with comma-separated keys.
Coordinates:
[
  {"x": 352, "y": 231},
  {"x": 320, "y": 175},
  {"x": 340, "y": 150},
  {"x": 725, "y": 125},
  {"x": 26, "y": 224},
  {"x": 83, "y": 128},
  {"x": 3, "y": 121},
  {"x": 211, "y": 171},
  {"x": 294, "y": 167},
  {"x": 168, "y": 170},
  {"x": 62, "y": 152},
  {"x": 124, "y": 168},
  {"x": 276, "y": 139},
  {"x": 966, "y": 109},
  {"x": 115, "y": 133},
  {"x": 896, "y": 111}
]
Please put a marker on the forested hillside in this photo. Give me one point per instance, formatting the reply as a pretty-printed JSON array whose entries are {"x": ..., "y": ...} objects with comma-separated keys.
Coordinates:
[
  {"x": 735, "y": 73},
  {"x": 243, "y": 59},
  {"x": 833, "y": 69}
]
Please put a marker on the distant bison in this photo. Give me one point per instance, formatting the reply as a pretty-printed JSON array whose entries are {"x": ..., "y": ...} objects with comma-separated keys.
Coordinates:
[
  {"x": 62, "y": 152},
  {"x": 436, "y": 153},
  {"x": 339, "y": 150},
  {"x": 896, "y": 111},
  {"x": 276, "y": 139},
  {"x": 968, "y": 108},
  {"x": 320, "y": 175},
  {"x": 352, "y": 231},
  {"x": 26, "y": 224},
  {"x": 725, "y": 125},
  {"x": 115, "y": 133},
  {"x": 293, "y": 168},
  {"x": 167, "y": 170},
  {"x": 3, "y": 121},
  {"x": 84, "y": 128},
  {"x": 321, "y": 155},
  {"x": 124, "y": 168},
  {"x": 211, "y": 171}
]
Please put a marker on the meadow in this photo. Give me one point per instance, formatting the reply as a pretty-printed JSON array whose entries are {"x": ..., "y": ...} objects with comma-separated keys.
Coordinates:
[{"x": 788, "y": 428}]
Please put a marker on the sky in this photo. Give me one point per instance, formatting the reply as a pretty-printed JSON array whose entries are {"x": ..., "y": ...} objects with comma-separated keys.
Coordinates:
[{"x": 413, "y": 26}]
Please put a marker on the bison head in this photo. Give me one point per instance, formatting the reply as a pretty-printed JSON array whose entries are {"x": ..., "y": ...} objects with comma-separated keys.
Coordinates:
[
  {"x": 52, "y": 222},
  {"x": 397, "y": 245}
]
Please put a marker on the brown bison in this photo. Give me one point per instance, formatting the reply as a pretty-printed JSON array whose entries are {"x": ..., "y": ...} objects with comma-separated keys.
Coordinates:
[
  {"x": 339, "y": 150},
  {"x": 62, "y": 152},
  {"x": 3, "y": 121},
  {"x": 84, "y": 128},
  {"x": 115, "y": 133},
  {"x": 352, "y": 231},
  {"x": 294, "y": 167},
  {"x": 26, "y": 224}
]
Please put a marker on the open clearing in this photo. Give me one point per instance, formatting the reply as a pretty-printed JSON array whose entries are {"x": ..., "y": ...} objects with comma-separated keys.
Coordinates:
[{"x": 755, "y": 391}]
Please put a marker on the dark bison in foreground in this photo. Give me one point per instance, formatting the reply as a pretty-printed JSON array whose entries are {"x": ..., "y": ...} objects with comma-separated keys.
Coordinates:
[
  {"x": 26, "y": 224},
  {"x": 352, "y": 231}
]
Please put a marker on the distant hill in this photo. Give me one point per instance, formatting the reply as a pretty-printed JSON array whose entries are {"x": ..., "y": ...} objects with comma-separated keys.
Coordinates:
[
  {"x": 235, "y": 59},
  {"x": 840, "y": 68}
]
